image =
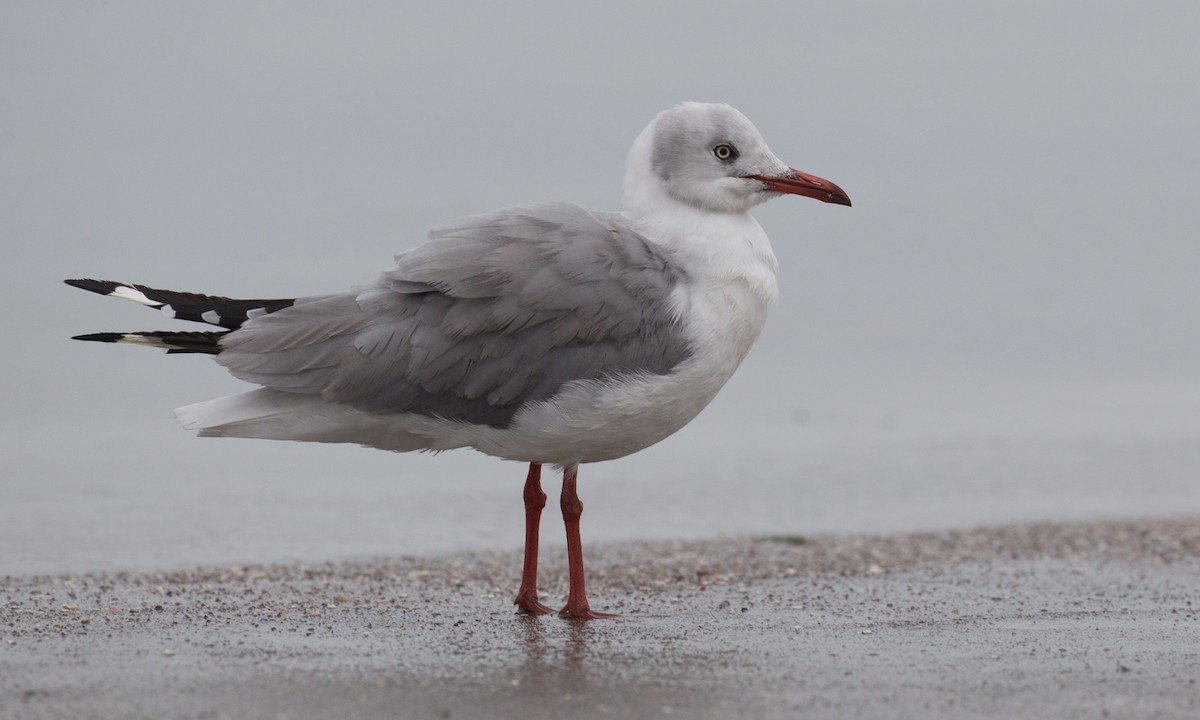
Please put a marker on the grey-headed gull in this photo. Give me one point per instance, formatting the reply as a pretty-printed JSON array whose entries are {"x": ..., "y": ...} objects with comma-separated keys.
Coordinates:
[{"x": 541, "y": 333}]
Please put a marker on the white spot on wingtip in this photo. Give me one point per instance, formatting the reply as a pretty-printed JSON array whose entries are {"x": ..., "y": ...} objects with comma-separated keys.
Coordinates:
[
  {"x": 133, "y": 339},
  {"x": 127, "y": 293},
  {"x": 168, "y": 311},
  {"x": 211, "y": 317}
]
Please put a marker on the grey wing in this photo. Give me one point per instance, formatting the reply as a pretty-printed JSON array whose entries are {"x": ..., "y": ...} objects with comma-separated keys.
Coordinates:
[{"x": 496, "y": 311}]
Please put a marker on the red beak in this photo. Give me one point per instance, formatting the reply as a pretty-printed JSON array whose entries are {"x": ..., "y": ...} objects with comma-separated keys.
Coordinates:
[{"x": 801, "y": 183}]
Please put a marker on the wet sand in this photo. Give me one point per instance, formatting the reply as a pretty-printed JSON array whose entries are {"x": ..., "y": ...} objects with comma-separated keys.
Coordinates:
[{"x": 1042, "y": 621}]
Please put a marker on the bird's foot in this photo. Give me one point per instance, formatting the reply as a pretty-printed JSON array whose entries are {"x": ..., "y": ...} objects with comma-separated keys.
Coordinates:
[
  {"x": 527, "y": 604},
  {"x": 581, "y": 611}
]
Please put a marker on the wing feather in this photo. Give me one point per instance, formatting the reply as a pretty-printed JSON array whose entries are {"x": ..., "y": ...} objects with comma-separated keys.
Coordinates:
[{"x": 496, "y": 311}]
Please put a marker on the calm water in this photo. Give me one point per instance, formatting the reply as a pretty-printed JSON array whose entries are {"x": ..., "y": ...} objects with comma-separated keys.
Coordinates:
[
  {"x": 1003, "y": 328},
  {"x": 887, "y": 464}
]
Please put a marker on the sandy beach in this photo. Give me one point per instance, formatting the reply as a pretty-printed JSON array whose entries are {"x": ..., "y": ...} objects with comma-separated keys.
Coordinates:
[{"x": 1047, "y": 620}]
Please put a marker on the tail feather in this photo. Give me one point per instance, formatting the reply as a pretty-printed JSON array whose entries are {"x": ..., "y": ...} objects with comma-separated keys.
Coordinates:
[
  {"x": 269, "y": 414},
  {"x": 228, "y": 313},
  {"x": 173, "y": 342}
]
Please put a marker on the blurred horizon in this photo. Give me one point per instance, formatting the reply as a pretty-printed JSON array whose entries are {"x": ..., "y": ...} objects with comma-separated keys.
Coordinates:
[{"x": 1002, "y": 329}]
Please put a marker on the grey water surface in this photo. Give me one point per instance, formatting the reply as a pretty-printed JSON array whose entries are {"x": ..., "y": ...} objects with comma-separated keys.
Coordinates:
[{"x": 1003, "y": 328}]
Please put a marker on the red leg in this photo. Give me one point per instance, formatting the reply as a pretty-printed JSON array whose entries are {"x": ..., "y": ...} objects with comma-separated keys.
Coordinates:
[
  {"x": 535, "y": 500},
  {"x": 572, "y": 509}
]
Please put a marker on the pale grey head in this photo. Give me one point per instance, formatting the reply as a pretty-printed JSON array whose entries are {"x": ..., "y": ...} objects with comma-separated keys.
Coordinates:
[{"x": 710, "y": 156}]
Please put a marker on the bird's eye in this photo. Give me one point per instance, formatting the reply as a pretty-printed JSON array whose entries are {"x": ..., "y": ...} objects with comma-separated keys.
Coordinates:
[{"x": 725, "y": 152}]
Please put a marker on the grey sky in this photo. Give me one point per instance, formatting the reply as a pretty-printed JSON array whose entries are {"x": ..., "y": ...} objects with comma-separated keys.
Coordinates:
[{"x": 1021, "y": 259}]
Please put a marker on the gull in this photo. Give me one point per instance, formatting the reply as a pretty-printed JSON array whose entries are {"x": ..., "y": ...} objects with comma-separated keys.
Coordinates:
[{"x": 541, "y": 333}]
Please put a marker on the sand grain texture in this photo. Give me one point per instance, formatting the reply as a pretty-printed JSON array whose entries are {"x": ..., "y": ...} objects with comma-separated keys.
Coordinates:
[{"x": 1057, "y": 621}]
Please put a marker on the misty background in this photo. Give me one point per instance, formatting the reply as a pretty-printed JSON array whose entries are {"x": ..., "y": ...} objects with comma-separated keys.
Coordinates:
[{"x": 1003, "y": 328}]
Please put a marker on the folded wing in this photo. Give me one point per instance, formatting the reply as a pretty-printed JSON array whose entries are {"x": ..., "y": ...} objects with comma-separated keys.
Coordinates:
[{"x": 496, "y": 311}]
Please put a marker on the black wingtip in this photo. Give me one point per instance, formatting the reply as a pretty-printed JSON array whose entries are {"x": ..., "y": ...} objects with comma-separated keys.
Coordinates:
[
  {"x": 179, "y": 342},
  {"x": 108, "y": 337},
  {"x": 103, "y": 287}
]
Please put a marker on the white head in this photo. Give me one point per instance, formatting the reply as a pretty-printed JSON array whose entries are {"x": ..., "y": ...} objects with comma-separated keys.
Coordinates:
[{"x": 711, "y": 157}]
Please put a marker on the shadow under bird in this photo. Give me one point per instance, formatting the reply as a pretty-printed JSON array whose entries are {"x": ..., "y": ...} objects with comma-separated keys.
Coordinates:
[{"x": 541, "y": 333}]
